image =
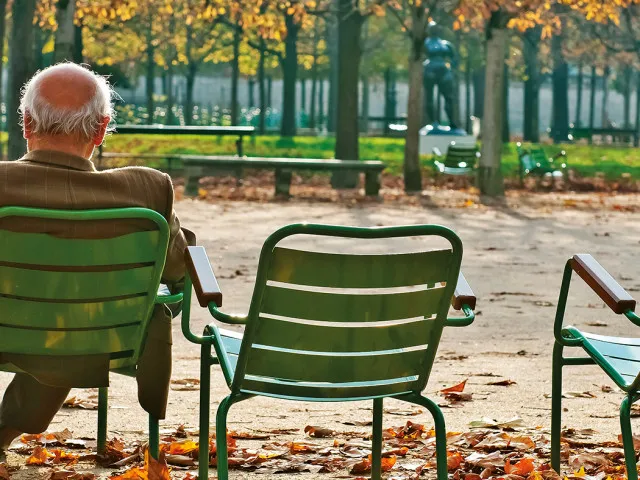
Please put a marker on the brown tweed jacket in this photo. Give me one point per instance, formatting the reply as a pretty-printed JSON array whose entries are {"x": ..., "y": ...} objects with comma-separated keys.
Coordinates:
[{"x": 51, "y": 179}]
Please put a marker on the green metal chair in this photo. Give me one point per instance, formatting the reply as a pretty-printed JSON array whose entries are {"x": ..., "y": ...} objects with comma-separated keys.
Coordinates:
[
  {"x": 618, "y": 357},
  {"x": 63, "y": 296},
  {"x": 331, "y": 327},
  {"x": 534, "y": 161},
  {"x": 459, "y": 160}
]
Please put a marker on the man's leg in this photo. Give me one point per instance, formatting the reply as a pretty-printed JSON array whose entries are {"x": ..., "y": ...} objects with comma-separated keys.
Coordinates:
[
  {"x": 154, "y": 366},
  {"x": 28, "y": 407}
]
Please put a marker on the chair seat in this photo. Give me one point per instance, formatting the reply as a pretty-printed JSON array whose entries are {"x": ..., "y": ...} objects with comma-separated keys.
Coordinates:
[
  {"x": 619, "y": 357},
  {"x": 453, "y": 170}
]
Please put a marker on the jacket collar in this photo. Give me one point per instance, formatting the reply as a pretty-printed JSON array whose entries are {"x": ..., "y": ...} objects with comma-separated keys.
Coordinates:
[{"x": 60, "y": 159}]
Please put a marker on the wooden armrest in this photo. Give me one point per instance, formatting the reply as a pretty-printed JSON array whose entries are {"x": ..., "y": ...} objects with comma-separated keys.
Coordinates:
[
  {"x": 602, "y": 283},
  {"x": 202, "y": 277},
  {"x": 463, "y": 295}
]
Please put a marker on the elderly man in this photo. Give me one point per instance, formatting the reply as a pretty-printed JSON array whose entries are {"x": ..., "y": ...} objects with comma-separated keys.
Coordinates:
[{"x": 66, "y": 112}]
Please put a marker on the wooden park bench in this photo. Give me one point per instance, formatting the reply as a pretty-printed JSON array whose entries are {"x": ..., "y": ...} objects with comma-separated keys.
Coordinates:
[
  {"x": 534, "y": 161},
  {"x": 617, "y": 135},
  {"x": 173, "y": 159},
  {"x": 66, "y": 297},
  {"x": 459, "y": 160},
  {"x": 198, "y": 166},
  {"x": 618, "y": 357},
  {"x": 327, "y": 327}
]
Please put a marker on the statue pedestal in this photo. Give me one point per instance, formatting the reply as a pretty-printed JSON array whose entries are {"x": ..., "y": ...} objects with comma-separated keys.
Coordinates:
[{"x": 436, "y": 136}]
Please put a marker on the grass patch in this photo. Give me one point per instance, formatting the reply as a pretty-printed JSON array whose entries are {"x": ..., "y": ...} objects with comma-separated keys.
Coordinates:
[{"x": 587, "y": 160}]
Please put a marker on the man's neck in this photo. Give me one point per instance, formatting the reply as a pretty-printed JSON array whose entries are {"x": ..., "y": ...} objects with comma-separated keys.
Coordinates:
[{"x": 61, "y": 144}]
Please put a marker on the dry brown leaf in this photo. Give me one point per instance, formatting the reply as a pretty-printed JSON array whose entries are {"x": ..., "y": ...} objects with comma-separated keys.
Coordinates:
[
  {"x": 456, "y": 388},
  {"x": 319, "y": 432}
]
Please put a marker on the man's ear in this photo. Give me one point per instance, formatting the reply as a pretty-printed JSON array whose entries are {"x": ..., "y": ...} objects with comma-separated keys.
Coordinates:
[
  {"x": 27, "y": 130},
  {"x": 102, "y": 131}
]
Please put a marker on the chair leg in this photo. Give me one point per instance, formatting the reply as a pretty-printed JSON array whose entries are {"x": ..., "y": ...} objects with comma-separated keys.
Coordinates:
[
  {"x": 221, "y": 438},
  {"x": 103, "y": 405},
  {"x": 627, "y": 439},
  {"x": 154, "y": 437},
  {"x": 205, "y": 407},
  {"x": 556, "y": 406},
  {"x": 376, "y": 450},
  {"x": 441, "y": 432}
]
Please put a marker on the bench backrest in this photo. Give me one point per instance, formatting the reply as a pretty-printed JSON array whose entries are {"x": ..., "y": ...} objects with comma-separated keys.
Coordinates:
[
  {"x": 532, "y": 159},
  {"x": 459, "y": 156},
  {"x": 344, "y": 326},
  {"x": 62, "y": 296}
]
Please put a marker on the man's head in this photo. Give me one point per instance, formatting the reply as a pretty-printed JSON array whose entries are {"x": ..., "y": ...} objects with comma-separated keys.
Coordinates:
[{"x": 66, "y": 107}]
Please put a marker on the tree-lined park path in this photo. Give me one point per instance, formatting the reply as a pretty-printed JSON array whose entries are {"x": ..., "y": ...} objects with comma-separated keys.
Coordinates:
[{"x": 513, "y": 259}]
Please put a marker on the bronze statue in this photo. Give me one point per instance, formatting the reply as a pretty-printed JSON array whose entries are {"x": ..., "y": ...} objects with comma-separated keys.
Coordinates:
[{"x": 442, "y": 58}]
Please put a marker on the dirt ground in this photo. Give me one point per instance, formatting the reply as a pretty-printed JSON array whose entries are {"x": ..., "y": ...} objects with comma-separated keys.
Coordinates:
[{"x": 514, "y": 257}]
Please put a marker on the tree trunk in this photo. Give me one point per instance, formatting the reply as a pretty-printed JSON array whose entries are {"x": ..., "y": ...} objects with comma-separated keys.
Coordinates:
[
  {"x": 3, "y": 16},
  {"x": 65, "y": 34},
  {"x": 20, "y": 69},
  {"x": 365, "y": 107},
  {"x": 467, "y": 92},
  {"x": 235, "y": 74},
  {"x": 321, "y": 119},
  {"x": 38, "y": 45},
  {"x": 290, "y": 74},
  {"x": 78, "y": 44},
  {"x": 269, "y": 92},
  {"x": 349, "y": 55},
  {"x": 478, "y": 92},
  {"x": 303, "y": 95},
  {"x": 636, "y": 140},
  {"x": 170, "y": 117},
  {"x": 560, "y": 103},
  {"x": 580, "y": 88},
  {"x": 490, "y": 180},
  {"x": 389, "y": 99},
  {"x": 313, "y": 108},
  {"x": 592, "y": 98},
  {"x": 627, "y": 96},
  {"x": 532, "y": 86},
  {"x": 151, "y": 73},
  {"x": 412, "y": 172},
  {"x": 506, "y": 132},
  {"x": 262, "y": 93},
  {"x": 332, "y": 47},
  {"x": 251, "y": 84},
  {"x": 604, "y": 115},
  {"x": 192, "y": 70}
]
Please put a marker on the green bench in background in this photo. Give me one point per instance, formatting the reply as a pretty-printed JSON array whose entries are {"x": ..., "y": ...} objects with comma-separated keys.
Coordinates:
[
  {"x": 534, "y": 161},
  {"x": 313, "y": 334},
  {"x": 198, "y": 166}
]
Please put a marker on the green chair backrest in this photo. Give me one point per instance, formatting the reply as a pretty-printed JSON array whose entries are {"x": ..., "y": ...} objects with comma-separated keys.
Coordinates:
[
  {"x": 62, "y": 296},
  {"x": 345, "y": 326},
  {"x": 540, "y": 158},
  {"x": 461, "y": 156}
]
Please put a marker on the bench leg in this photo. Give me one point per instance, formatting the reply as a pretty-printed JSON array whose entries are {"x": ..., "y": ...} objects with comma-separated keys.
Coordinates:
[
  {"x": 154, "y": 437},
  {"x": 372, "y": 184},
  {"x": 103, "y": 406},
  {"x": 283, "y": 182},
  {"x": 192, "y": 185},
  {"x": 239, "y": 147}
]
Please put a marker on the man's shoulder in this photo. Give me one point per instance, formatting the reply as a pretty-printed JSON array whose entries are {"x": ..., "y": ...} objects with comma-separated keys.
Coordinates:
[{"x": 146, "y": 173}]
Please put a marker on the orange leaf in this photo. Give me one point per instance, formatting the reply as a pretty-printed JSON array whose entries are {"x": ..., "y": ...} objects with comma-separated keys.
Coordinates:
[
  {"x": 454, "y": 460},
  {"x": 364, "y": 466},
  {"x": 39, "y": 456},
  {"x": 456, "y": 388},
  {"x": 184, "y": 447},
  {"x": 153, "y": 470},
  {"x": 523, "y": 467}
]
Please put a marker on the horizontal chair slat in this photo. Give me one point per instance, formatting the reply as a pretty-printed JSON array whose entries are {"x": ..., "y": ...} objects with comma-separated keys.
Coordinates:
[
  {"x": 51, "y": 342},
  {"x": 358, "y": 271},
  {"x": 334, "y": 307},
  {"x": 60, "y": 316},
  {"x": 66, "y": 286},
  {"x": 342, "y": 338},
  {"x": 336, "y": 392},
  {"x": 288, "y": 365},
  {"x": 37, "y": 248}
]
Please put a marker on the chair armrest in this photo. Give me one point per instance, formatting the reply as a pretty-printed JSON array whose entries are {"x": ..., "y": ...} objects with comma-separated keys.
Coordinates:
[
  {"x": 561, "y": 154},
  {"x": 463, "y": 295},
  {"x": 602, "y": 283},
  {"x": 437, "y": 152},
  {"x": 164, "y": 295},
  {"x": 202, "y": 276}
]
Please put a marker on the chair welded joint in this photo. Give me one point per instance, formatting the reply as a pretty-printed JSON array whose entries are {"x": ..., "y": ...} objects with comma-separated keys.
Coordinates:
[
  {"x": 606, "y": 352},
  {"x": 232, "y": 351}
]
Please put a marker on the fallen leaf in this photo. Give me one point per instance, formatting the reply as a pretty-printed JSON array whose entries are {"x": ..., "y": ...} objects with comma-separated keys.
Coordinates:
[
  {"x": 319, "y": 432},
  {"x": 502, "y": 383},
  {"x": 83, "y": 403},
  {"x": 456, "y": 388},
  {"x": 522, "y": 467}
]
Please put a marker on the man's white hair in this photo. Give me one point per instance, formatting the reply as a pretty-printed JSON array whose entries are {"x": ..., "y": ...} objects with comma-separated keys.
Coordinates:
[{"x": 45, "y": 118}]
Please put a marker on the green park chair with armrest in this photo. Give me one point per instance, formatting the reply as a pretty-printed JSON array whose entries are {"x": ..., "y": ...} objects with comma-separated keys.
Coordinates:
[
  {"x": 618, "y": 357},
  {"x": 459, "y": 160},
  {"x": 329, "y": 327},
  {"x": 67, "y": 296},
  {"x": 534, "y": 161}
]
